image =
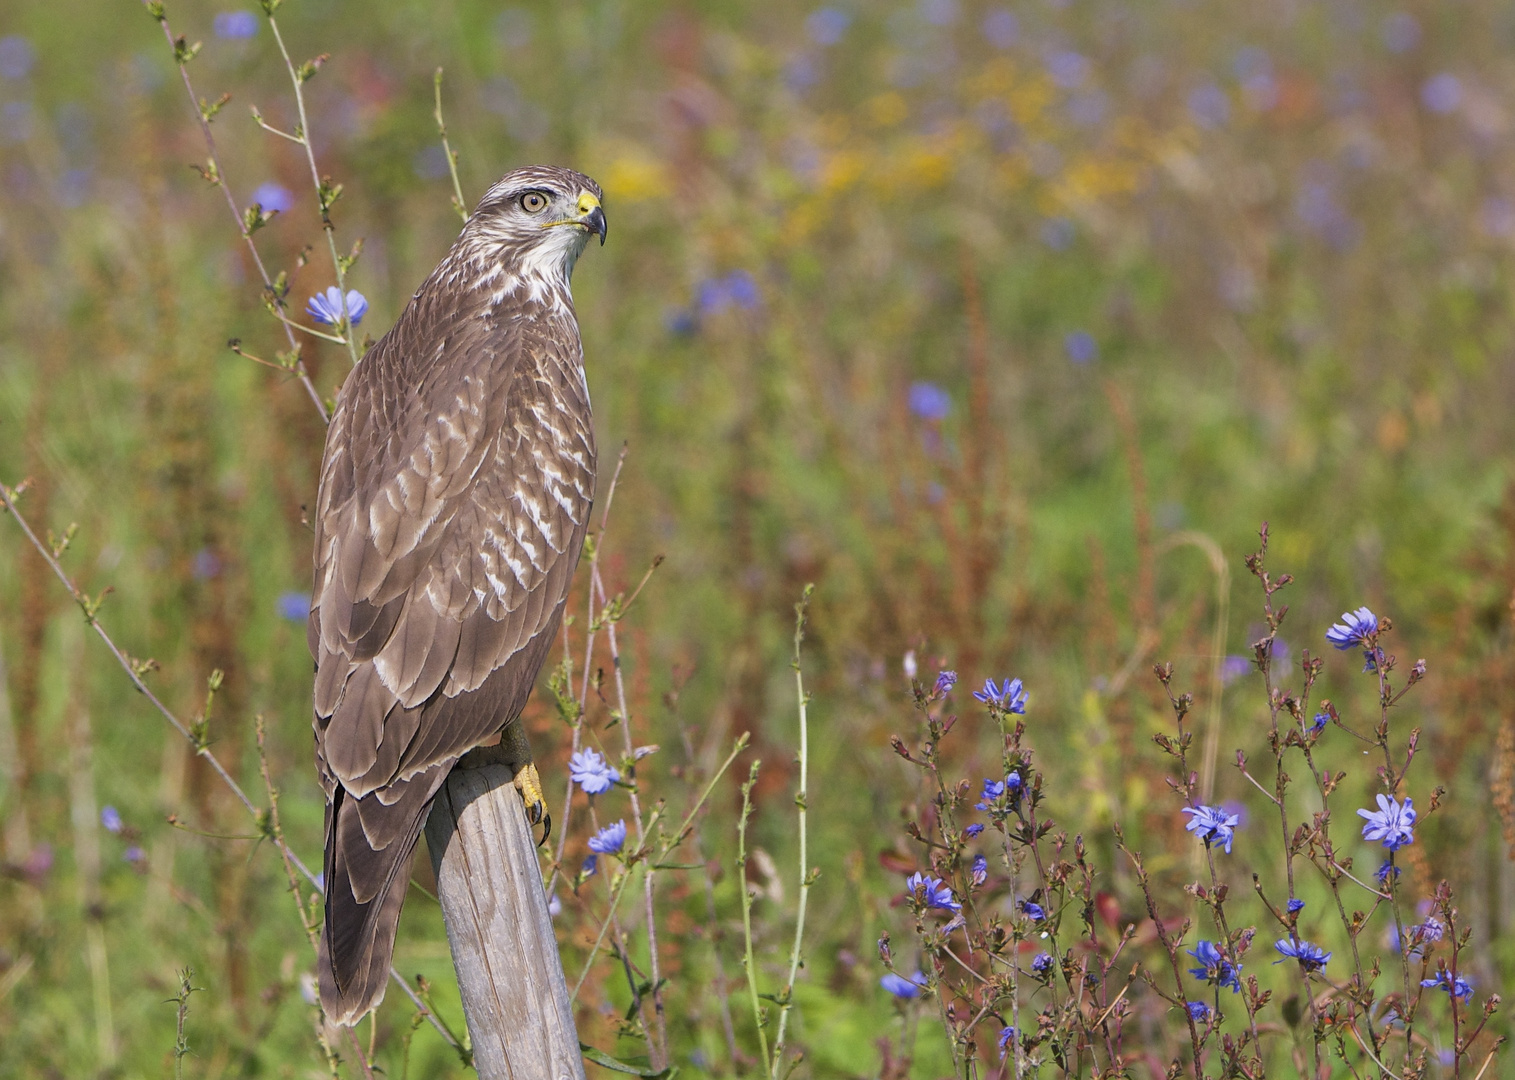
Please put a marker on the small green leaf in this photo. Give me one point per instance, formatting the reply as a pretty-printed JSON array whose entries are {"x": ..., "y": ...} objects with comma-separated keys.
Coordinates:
[
  {"x": 185, "y": 52},
  {"x": 306, "y": 71},
  {"x": 208, "y": 109},
  {"x": 255, "y": 217},
  {"x": 599, "y": 1057}
]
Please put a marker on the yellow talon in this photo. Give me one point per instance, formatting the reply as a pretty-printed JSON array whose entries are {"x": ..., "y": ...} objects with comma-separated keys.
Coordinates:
[{"x": 529, "y": 783}]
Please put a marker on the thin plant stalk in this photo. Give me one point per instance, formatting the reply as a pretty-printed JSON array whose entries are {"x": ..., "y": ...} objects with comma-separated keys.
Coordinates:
[
  {"x": 800, "y": 801},
  {"x": 325, "y": 196},
  {"x": 741, "y": 871},
  {"x": 219, "y": 179},
  {"x": 134, "y": 670},
  {"x": 452, "y": 157}
]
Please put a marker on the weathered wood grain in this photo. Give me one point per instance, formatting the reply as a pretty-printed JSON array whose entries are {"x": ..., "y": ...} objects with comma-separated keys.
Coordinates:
[{"x": 490, "y": 886}]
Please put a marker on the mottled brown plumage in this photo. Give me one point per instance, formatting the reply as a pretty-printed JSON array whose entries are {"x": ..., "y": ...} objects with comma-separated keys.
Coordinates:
[{"x": 455, "y": 491}]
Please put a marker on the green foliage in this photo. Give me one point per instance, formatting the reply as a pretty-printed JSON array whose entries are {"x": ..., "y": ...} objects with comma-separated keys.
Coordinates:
[{"x": 1300, "y": 312}]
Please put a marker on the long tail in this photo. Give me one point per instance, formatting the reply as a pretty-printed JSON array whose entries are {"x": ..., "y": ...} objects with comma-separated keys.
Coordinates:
[{"x": 369, "y": 848}]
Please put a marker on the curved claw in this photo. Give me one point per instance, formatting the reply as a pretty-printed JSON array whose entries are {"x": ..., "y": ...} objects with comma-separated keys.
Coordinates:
[{"x": 529, "y": 784}]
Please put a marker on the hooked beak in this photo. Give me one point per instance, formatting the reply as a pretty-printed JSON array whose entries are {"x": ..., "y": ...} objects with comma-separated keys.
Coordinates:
[
  {"x": 592, "y": 215},
  {"x": 594, "y": 221}
]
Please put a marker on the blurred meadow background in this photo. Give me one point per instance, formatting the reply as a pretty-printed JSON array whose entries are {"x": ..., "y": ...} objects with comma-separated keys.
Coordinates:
[{"x": 1000, "y": 323}]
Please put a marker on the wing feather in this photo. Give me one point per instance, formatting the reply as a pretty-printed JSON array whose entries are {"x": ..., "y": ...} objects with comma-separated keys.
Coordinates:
[{"x": 455, "y": 493}]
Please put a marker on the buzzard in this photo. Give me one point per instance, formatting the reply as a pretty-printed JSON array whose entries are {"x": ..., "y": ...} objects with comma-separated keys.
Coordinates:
[{"x": 456, "y": 486}]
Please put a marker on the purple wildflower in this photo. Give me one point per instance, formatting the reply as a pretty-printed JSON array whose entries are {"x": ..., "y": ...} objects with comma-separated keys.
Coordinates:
[
  {"x": 592, "y": 772},
  {"x": 973, "y": 830},
  {"x": 1354, "y": 629},
  {"x": 1215, "y": 968},
  {"x": 945, "y": 681},
  {"x": 902, "y": 987},
  {"x": 1081, "y": 347},
  {"x": 610, "y": 839},
  {"x": 1212, "y": 825},
  {"x": 1310, "y": 957},
  {"x": 1035, "y": 912},
  {"x": 933, "y": 890},
  {"x": 929, "y": 401},
  {"x": 234, "y": 25},
  {"x": 327, "y": 307},
  {"x": 1296, "y": 906},
  {"x": 1011, "y": 697},
  {"x": 1198, "y": 1009},
  {"x": 1391, "y": 823},
  {"x": 980, "y": 872},
  {"x": 1042, "y": 965},
  {"x": 1458, "y": 988},
  {"x": 274, "y": 197},
  {"x": 110, "y": 818}
]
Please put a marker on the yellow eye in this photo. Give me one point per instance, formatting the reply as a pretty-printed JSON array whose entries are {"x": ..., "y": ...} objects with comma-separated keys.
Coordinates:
[{"x": 533, "y": 202}]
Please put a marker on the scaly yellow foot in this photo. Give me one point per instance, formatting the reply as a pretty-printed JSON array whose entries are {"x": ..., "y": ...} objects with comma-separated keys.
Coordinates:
[{"x": 529, "y": 784}]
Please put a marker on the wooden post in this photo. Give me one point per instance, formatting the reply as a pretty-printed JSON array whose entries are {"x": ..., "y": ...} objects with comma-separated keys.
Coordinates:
[{"x": 490, "y": 884}]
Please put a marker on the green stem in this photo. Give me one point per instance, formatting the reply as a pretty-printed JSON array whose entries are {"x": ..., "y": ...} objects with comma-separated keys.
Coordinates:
[
  {"x": 800, "y": 801},
  {"x": 321, "y": 199},
  {"x": 452, "y": 158},
  {"x": 741, "y": 868}
]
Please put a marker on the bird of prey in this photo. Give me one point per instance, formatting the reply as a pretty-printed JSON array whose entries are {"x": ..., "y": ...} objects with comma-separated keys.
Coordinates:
[{"x": 455, "y": 491}]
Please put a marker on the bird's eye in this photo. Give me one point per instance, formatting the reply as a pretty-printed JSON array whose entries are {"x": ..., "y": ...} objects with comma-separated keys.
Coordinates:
[{"x": 533, "y": 202}]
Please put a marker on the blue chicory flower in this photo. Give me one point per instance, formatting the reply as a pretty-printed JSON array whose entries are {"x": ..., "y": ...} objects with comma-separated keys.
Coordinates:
[
  {"x": 294, "y": 606},
  {"x": 1080, "y": 347},
  {"x": 234, "y": 25},
  {"x": 1011, "y": 697},
  {"x": 1198, "y": 1009},
  {"x": 1042, "y": 965},
  {"x": 980, "y": 872},
  {"x": 1318, "y": 724},
  {"x": 902, "y": 987},
  {"x": 592, "y": 772},
  {"x": 929, "y": 401},
  {"x": 1212, "y": 825},
  {"x": 327, "y": 307},
  {"x": 1035, "y": 912},
  {"x": 993, "y": 789},
  {"x": 591, "y": 864},
  {"x": 1354, "y": 629},
  {"x": 1005, "y": 1035},
  {"x": 1391, "y": 824},
  {"x": 1215, "y": 967},
  {"x": 935, "y": 892},
  {"x": 274, "y": 197},
  {"x": 1233, "y": 668},
  {"x": 973, "y": 830},
  {"x": 610, "y": 839},
  {"x": 1310, "y": 957},
  {"x": 110, "y": 818},
  {"x": 945, "y": 681},
  {"x": 135, "y": 855},
  {"x": 1296, "y": 906},
  {"x": 1383, "y": 872},
  {"x": 1458, "y": 988}
]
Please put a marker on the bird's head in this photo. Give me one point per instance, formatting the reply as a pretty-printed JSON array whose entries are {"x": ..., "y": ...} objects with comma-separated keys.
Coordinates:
[{"x": 537, "y": 220}]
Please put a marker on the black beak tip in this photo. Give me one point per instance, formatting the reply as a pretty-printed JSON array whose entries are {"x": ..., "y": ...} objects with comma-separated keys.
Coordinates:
[{"x": 597, "y": 223}]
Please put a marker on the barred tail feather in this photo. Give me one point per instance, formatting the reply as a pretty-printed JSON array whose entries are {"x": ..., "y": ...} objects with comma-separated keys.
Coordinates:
[{"x": 358, "y": 935}]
